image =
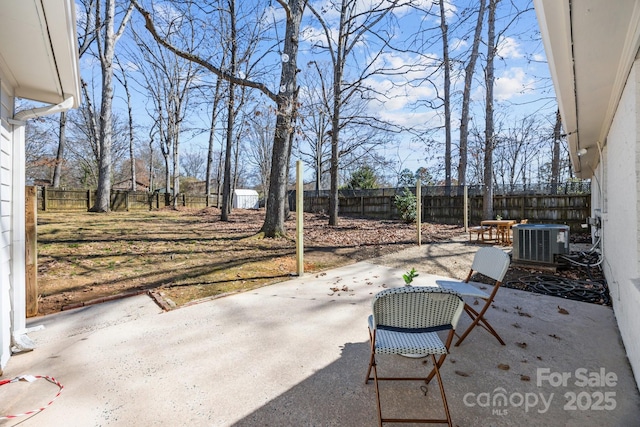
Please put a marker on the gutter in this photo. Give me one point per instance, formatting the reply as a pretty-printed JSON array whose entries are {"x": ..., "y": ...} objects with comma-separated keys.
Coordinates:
[{"x": 21, "y": 117}]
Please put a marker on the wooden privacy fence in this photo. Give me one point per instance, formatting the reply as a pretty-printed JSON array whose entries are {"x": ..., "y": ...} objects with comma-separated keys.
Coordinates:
[
  {"x": 81, "y": 200},
  {"x": 558, "y": 208},
  {"x": 569, "y": 209}
]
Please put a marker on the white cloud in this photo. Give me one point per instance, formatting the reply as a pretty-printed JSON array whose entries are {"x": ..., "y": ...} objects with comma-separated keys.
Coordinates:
[
  {"x": 539, "y": 57},
  {"x": 508, "y": 47},
  {"x": 513, "y": 82}
]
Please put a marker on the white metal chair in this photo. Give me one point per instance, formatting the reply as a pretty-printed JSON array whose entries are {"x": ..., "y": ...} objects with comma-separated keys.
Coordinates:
[
  {"x": 493, "y": 263},
  {"x": 406, "y": 321},
  {"x": 479, "y": 231}
]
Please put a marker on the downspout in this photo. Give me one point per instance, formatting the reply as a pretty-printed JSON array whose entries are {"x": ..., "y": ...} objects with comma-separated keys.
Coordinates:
[
  {"x": 21, "y": 117},
  {"x": 20, "y": 342}
]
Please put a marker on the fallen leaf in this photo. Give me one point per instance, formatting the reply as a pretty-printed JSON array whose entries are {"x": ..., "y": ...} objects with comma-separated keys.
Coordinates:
[
  {"x": 562, "y": 310},
  {"x": 525, "y": 378},
  {"x": 462, "y": 374},
  {"x": 504, "y": 367}
]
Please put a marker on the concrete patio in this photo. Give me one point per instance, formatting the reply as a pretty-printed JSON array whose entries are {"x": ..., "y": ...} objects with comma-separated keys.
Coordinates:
[{"x": 296, "y": 353}]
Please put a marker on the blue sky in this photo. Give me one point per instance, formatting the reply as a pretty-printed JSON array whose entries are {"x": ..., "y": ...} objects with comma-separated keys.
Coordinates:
[{"x": 522, "y": 85}]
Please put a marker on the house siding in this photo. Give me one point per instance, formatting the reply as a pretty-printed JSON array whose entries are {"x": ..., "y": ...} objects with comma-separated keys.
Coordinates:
[
  {"x": 6, "y": 142},
  {"x": 619, "y": 174}
]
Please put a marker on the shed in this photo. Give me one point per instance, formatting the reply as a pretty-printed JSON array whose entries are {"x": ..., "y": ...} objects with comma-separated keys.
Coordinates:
[{"x": 245, "y": 199}]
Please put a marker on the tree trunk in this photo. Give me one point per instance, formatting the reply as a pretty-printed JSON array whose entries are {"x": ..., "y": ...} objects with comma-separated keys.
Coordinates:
[
  {"x": 338, "y": 70},
  {"x": 176, "y": 162},
  {"x": 57, "y": 171},
  {"x": 233, "y": 66},
  {"x": 447, "y": 97},
  {"x": 132, "y": 156},
  {"x": 103, "y": 195},
  {"x": 275, "y": 215},
  {"x": 107, "y": 38},
  {"x": 466, "y": 96},
  {"x": 489, "y": 126},
  {"x": 212, "y": 132}
]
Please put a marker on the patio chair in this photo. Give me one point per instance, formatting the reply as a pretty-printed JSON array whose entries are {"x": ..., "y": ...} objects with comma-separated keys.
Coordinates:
[
  {"x": 406, "y": 321},
  {"x": 479, "y": 231},
  {"x": 493, "y": 263}
]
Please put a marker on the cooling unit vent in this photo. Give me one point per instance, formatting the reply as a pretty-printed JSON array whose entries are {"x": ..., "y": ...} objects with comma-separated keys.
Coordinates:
[{"x": 540, "y": 243}]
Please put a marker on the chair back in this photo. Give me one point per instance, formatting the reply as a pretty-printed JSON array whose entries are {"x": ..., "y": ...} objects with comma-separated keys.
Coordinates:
[
  {"x": 417, "y": 307},
  {"x": 492, "y": 262}
]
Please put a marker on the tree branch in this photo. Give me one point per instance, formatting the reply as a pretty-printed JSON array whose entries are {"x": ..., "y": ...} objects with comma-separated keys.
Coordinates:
[{"x": 194, "y": 58}]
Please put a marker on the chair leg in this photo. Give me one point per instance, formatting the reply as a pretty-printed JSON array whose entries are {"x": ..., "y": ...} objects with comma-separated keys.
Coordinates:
[
  {"x": 372, "y": 358},
  {"x": 375, "y": 381},
  {"x": 441, "y": 358},
  {"x": 442, "y": 393},
  {"x": 476, "y": 318}
]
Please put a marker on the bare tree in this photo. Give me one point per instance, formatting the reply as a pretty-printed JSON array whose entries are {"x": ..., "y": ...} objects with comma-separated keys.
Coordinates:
[
  {"x": 285, "y": 100},
  {"x": 466, "y": 95},
  {"x": 520, "y": 143},
  {"x": 84, "y": 148},
  {"x": 107, "y": 37},
  {"x": 489, "y": 133},
  {"x": 132, "y": 158},
  {"x": 314, "y": 141},
  {"x": 87, "y": 33},
  {"x": 446, "y": 65},
  {"x": 168, "y": 81},
  {"x": 340, "y": 44},
  {"x": 259, "y": 145},
  {"x": 215, "y": 102},
  {"x": 57, "y": 170},
  {"x": 193, "y": 164}
]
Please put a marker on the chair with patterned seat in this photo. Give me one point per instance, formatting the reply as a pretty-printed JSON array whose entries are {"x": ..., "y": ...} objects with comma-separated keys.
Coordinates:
[{"x": 406, "y": 321}]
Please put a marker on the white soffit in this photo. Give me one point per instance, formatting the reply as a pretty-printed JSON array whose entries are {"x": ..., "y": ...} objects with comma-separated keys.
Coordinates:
[
  {"x": 39, "y": 49},
  {"x": 590, "y": 46}
]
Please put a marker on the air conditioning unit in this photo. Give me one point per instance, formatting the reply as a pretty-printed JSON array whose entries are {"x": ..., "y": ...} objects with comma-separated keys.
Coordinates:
[{"x": 539, "y": 243}]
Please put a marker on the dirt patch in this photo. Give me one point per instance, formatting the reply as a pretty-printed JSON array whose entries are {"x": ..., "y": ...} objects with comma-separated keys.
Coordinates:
[{"x": 188, "y": 255}]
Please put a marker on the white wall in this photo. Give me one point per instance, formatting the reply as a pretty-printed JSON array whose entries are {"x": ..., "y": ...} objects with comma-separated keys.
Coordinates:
[
  {"x": 6, "y": 166},
  {"x": 619, "y": 176}
]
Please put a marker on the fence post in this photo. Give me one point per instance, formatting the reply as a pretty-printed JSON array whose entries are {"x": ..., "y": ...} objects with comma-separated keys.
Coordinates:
[
  {"x": 419, "y": 210},
  {"x": 299, "y": 219},
  {"x": 88, "y": 199},
  {"x": 466, "y": 208},
  {"x": 31, "y": 251},
  {"x": 44, "y": 198},
  {"x": 126, "y": 201}
]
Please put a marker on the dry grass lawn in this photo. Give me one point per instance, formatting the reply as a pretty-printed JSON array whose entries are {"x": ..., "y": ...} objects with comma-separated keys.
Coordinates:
[{"x": 187, "y": 255}]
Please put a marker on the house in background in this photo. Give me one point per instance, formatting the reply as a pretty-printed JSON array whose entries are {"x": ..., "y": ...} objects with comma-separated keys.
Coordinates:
[
  {"x": 592, "y": 50},
  {"x": 38, "y": 61}
]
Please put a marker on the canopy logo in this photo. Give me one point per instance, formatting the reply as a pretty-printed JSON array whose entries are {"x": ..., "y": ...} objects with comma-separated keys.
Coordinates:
[{"x": 595, "y": 398}]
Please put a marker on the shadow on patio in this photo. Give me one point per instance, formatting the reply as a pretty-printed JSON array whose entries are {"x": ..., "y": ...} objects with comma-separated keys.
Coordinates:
[{"x": 296, "y": 353}]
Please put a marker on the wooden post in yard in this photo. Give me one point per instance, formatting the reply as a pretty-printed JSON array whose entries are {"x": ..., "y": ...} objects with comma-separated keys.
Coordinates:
[
  {"x": 419, "y": 210},
  {"x": 466, "y": 209},
  {"x": 31, "y": 251},
  {"x": 299, "y": 219}
]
